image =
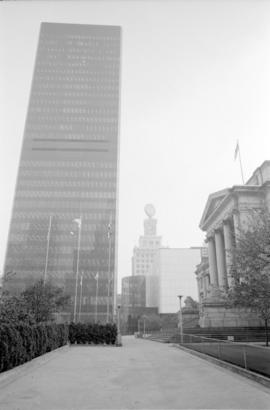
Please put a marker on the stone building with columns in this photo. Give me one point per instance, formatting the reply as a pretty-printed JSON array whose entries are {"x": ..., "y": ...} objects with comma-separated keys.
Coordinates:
[{"x": 226, "y": 212}]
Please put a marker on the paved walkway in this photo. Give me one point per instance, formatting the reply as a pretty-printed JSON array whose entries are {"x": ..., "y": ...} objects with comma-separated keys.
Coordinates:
[{"x": 139, "y": 375}]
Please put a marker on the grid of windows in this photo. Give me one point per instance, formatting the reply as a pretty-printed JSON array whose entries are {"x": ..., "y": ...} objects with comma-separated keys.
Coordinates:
[{"x": 68, "y": 165}]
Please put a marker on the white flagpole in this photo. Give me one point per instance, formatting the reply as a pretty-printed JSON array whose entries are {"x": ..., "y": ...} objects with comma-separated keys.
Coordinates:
[
  {"x": 81, "y": 282},
  {"x": 47, "y": 250},
  {"x": 79, "y": 222},
  {"x": 242, "y": 174},
  {"x": 96, "y": 311},
  {"x": 109, "y": 271},
  {"x": 237, "y": 151}
]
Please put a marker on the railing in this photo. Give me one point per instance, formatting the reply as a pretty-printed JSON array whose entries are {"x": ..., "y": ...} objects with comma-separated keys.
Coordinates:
[
  {"x": 160, "y": 334},
  {"x": 251, "y": 357}
]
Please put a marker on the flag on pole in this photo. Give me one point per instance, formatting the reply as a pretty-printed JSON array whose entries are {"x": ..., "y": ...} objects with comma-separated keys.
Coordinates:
[
  {"x": 236, "y": 152},
  {"x": 78, "y": 221},
  {"x": 49, "y": 229},
  {"x": 96, "y": 277},
  {"x": 109, "y": 230}
]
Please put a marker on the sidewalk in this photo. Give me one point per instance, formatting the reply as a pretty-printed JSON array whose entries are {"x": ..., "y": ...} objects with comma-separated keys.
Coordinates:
[{"x": 140, "y": 375}]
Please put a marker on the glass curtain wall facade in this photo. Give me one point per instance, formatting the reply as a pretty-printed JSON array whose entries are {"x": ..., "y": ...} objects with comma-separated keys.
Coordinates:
[{"x": 63, "y": 225}]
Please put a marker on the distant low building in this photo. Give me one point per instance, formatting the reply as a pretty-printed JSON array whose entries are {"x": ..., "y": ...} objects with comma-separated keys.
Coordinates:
[
  {"x": 133, "y": 305},
  {"x": 202, "y": 275},
  {"x": 133, "y": 291}
]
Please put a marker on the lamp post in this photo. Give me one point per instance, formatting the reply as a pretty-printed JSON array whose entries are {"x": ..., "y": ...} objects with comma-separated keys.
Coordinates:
[
  {"x": 180, "y": 323},
  {"x": 144, "y": 326},
  {"x": 119, "y": 339}
]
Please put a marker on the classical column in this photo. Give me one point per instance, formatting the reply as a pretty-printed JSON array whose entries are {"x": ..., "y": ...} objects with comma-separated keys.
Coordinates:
[
  {"x": 221, "y": 267},
  {"x": 207, "y": 282},
  {"x": 212, "y": 262},
  {"x": 198, "y": 288},
  {"x": 228, "y": 242},
  {"x": 236, "y": 224},
  {"x": 204, "y": 286}
]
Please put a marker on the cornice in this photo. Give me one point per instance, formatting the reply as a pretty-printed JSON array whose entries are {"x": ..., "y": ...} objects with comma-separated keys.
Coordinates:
[
  {"x": 233, "y": 194},
  {"x": 218, "y": 210}
]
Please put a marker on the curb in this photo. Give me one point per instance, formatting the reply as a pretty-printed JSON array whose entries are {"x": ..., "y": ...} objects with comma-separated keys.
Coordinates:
[
  {"x": 235, "y": 369},
  {"x": 15, "y": 373}
]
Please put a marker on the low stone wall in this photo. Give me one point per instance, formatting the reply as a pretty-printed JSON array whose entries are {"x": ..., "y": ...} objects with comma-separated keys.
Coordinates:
[
  {"x": 191, "y": 318},
  {"x": 219, "y": 315}
]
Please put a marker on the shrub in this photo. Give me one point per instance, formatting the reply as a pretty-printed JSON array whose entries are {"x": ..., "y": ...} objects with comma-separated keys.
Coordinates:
[
  {"x": 22, "y": 342},
  {"x": 92, "y": 333}
]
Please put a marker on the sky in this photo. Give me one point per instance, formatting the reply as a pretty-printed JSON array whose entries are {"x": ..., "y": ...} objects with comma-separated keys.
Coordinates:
[{"x": 194, "y": 79}]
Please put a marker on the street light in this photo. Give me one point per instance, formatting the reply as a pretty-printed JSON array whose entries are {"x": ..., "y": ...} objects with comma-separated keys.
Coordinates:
[
  {"x": 180, "y": 323},
  {"x": 119, "y": 341},
  {"x": 139, "y": 326},
  {"x": 144, "y": 318}
]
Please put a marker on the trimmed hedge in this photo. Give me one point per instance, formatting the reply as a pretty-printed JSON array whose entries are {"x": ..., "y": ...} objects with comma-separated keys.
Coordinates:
[
  {"x": 91, "y": 333},
  {"x": 21, "y": 343}
]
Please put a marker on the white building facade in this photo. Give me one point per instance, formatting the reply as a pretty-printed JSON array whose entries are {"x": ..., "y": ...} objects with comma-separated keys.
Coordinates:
[{"x": 172, "y": 274}]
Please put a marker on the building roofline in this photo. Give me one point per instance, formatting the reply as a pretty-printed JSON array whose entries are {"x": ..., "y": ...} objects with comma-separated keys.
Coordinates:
[
  {"x": 265, "y": 163},
  {"x": 233, "y": 191},
  {"x": 186, "y": 248}
]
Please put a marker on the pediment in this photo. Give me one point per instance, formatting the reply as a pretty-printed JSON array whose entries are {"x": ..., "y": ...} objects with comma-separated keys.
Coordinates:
[{"x": 213, "y": 202}]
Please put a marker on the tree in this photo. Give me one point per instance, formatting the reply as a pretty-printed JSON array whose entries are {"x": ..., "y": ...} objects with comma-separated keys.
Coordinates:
[
  {"x": 44, "y": 299},
  {"x": 251, "y": 267},
  {"x": 13, "y": 310}
]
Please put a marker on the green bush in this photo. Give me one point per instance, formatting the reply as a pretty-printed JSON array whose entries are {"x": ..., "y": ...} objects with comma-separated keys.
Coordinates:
[
  {"x": 22, "y": 342},
  {"x": 91, "y": 333}
]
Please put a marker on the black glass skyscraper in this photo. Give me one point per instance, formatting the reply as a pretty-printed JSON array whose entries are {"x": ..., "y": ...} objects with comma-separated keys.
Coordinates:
[{"x": 63, "y": 225}]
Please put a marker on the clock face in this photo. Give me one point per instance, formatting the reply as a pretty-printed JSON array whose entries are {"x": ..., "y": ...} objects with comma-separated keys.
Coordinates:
[{"x": 149, "y": 210}]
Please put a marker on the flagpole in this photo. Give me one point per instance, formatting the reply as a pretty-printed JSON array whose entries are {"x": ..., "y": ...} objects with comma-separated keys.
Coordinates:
[
  {"x": 77, "y": 269},
  {"x": 47, "y": 250},
  {"x": 109, "y": 271},
  {"x": 109, "y": 281},
  {"x": 241, "y": 166},
  {"x": 96, "y": 311},
  {"x": 237, "y": 152},
  {"x": 81, "y": 282}
]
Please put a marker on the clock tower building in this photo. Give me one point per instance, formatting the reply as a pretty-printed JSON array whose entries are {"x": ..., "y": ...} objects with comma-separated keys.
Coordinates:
[{"x": 149, "y": 243}]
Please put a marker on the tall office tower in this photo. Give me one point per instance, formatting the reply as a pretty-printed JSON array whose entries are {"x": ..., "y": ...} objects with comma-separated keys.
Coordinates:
[{"x": 63, "y": 225}]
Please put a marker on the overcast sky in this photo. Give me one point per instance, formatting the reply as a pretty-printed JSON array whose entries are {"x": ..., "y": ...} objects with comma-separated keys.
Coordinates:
[{"x": 195, "y": 78}]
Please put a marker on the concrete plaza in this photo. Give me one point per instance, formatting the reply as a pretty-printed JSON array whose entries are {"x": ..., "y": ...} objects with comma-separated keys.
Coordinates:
[{"x": 140, "y": 375}]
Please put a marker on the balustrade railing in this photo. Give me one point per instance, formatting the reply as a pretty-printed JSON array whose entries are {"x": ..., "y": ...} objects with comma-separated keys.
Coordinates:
[{"x": 246, "y": 355}]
